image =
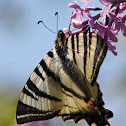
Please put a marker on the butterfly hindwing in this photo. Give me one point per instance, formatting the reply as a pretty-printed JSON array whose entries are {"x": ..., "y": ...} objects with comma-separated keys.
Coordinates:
[{"x": 76, "y": 109}]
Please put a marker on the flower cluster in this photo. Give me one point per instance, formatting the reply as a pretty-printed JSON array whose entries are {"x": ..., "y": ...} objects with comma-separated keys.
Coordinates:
[{"x": 113, "y": 20}]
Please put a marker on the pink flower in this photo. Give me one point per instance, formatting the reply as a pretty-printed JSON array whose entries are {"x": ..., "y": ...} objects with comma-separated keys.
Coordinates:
[
  {"x": 74, "y": 5},
  {"x": 113, "y": 20},
  {"x": 77, "y": 17},
  {"x": 107, "y": 6},
  {"x": 92, "y": 20},
  {"x": 113, "y": 2},
  {"x": 105, "y": 30},
  {"x": 68, "y": 32},
  {"x": 119, "y": 21}
]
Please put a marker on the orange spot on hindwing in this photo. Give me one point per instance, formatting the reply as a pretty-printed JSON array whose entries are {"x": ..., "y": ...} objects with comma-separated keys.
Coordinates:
[{"x": 91, "y": 103}]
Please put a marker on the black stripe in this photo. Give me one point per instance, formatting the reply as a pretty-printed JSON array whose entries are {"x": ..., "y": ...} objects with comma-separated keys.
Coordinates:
[
  {"x": 99, "y": 46},
  {"x": 38, "y": 73},
  {"x": 77, "y": 116},
  {"x": 97, "y": 52},
  {"x": 47, "y": 71},
  {"x": 26, "y": 109},
  {"x": 72, "y": 71},
  {"x": 73, "y": 48},
  {"x": 25, "y": 91},
  {"x": 77, "y": 43},
  {"x": 90, "y": 116},
  {"x": 66, "y": 42},
  {"x": 85, "y": 50},
  {"x": 90, "y": 40},
  {"x": 73, "y": 92},
  {"x": 61, "y": 51},
  {"x": 69, "y": 106},
  {"x": 56, "y": 78},
  {"x": 99, "y": 62},
  {"x": 67, "y": 94},
  {"x": 33, "y": 88},
  {"x": 66, "y": 46},
  {"x": 23, "y": 109},
  {"x": 50, "y": 54}
]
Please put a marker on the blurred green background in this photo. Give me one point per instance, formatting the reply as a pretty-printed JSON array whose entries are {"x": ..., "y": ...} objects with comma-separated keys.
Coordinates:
[{"x": 23, "y": 43}]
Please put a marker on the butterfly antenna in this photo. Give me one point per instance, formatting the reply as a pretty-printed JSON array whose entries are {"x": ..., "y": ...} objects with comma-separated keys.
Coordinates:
[
  {"x": 70, "y": 23},
  {"x": 56, "y": 14},
  {"x": 46, "y": 27}
]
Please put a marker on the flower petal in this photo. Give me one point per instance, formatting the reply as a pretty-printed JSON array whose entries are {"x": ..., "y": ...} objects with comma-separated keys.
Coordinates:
[
  {"x": 116, "y": 26},
  {"x": 93, "y": 8},
  {"x": 113, "y": 2},
  {"x": 104, "y": 2},
  {"x": 77, "y": 31},
  {"x": 87, "y": 14},
  {"x": 105, "y": 10},
  {"x": 112, "y": 35},
  {"x": 67, "y": 32},
  {"x": 113, "y": 51},
  {"x": 111, "y": 45},
  {"x": 77, "y": 18},
  {"x": 123, "y": 29},
  {"x": 80, "y": 25},
  {"x": 76, "y": 23},
  {"x": 74, "y": 5},
  {"x": 112, "y": 16}
]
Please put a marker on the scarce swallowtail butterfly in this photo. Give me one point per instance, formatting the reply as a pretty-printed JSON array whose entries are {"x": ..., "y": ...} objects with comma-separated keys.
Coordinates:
[{"x": 64, "y": 83}]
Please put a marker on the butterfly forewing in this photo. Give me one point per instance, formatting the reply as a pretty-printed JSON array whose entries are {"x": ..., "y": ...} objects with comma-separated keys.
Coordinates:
[
  {"x": 64, "y": 82},
  {"x": 39, "y": 99}
]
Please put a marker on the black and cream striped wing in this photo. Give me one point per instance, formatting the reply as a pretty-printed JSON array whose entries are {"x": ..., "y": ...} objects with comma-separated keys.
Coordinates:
[
  {"x": 88, "y": 51},
  {"x": 80, "y": 59},
  {"x": 64, "y": 83},
  {"x": 41, "y": 98}
]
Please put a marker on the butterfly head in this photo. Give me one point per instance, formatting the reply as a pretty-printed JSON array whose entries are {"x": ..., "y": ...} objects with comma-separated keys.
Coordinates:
[{"x": 60, "y": 38}]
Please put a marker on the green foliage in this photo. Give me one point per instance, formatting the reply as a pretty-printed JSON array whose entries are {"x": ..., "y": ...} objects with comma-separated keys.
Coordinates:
[{"x": 7, "y": 110}]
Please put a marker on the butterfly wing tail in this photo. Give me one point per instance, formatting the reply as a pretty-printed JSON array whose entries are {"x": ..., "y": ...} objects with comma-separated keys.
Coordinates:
[{"x": 76, "y": 109}]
